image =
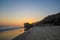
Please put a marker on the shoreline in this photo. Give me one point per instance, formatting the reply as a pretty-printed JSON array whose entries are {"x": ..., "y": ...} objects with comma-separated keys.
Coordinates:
[{"x": 37, "y": 33}]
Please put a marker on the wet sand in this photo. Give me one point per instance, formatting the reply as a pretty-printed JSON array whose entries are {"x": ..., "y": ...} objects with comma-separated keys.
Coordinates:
[{"x": 41, "y": 33}]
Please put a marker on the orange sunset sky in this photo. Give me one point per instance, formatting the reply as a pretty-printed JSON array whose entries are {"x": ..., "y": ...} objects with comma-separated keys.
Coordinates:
[{"x": 17, "y": 22}]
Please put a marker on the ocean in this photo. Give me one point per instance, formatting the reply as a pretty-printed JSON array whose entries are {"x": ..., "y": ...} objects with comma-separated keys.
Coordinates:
[{"x": 9, "y": 33}]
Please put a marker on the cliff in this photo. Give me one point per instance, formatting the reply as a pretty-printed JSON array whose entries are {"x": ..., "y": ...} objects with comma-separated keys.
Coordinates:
[{"x": 50, "y": 20}]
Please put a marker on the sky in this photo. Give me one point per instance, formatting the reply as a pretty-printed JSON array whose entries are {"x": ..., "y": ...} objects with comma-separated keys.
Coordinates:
[{"x": 18, "y": 12}]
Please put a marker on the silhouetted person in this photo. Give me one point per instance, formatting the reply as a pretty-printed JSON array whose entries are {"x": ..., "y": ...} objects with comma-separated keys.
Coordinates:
[{"x": 27, "y": 26}]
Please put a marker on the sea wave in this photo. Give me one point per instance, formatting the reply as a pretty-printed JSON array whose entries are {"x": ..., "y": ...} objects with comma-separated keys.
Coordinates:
[{"x": 8, "y": 28}]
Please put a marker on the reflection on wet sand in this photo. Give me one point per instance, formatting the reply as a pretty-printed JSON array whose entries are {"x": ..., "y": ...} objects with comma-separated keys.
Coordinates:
[{"x": 8, "y": 35}]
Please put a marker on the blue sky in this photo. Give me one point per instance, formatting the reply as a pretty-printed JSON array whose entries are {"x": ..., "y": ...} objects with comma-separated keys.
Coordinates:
[{"x": 27, "y": 9}]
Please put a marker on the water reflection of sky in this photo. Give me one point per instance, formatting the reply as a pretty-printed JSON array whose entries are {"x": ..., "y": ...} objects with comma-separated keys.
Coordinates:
[{"x": 8, "y": 35}]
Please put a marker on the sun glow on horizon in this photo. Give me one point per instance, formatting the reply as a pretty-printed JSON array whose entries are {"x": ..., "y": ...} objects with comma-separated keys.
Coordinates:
[{"x": 17, "y": 22}]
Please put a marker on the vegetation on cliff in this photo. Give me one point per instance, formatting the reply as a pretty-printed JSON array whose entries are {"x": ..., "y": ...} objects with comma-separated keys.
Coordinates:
[{"x": 50, "y": 20}]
